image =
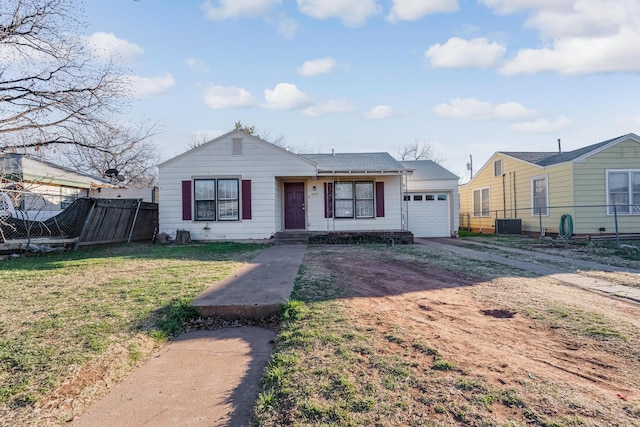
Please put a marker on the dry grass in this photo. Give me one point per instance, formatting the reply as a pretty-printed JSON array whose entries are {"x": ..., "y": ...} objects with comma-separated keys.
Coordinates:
[
  {"x": 348, "y": 361},
  {"x": 73, "y": 324},
  {"x": 600, "y": 251}
]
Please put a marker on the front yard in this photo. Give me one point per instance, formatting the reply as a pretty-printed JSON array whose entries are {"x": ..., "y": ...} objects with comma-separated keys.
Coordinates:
[
  {"x": 373, "y": 335},
  {"x": 74, "y": 324}
]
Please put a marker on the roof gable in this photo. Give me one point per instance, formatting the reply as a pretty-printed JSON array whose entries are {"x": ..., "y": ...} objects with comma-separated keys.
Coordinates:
[{"x": 235, "y": 132}]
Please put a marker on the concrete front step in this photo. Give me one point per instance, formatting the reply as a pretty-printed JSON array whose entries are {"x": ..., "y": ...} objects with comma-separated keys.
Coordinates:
[
  {"x": 257, "y": 289},
  {"x": 292, "y": 238}
]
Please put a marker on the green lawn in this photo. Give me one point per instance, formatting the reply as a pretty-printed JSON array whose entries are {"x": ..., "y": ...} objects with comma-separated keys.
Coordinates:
[{"x": 65, "y": 315}]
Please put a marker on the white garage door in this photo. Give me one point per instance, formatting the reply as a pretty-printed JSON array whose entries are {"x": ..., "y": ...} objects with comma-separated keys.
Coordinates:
[{"x": 428, "y": 214}]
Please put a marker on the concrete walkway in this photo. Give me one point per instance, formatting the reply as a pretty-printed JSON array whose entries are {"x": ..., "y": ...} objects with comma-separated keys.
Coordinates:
[
  {"x": 203, "y": 379},
  {"x": 258, "y": 289},
  {"x": 565, "y": 275},
  {"x": 208, "y": 378}
]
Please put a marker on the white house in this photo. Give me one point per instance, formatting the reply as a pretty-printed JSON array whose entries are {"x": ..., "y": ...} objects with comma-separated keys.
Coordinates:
[
  {"x": 42, "y": 187},
  {"x": 431, "y": 198},
  {"x": 238, "y": 186}
]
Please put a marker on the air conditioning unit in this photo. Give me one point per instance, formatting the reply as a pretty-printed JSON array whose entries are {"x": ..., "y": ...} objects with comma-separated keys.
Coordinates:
[{"x": 509, "y": 226}]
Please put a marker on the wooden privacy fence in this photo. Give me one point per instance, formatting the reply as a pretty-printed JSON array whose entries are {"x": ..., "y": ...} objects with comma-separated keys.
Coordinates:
[{"x": 118, "y": 220}]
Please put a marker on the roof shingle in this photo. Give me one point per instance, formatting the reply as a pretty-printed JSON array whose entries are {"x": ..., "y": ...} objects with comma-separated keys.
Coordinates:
[{"x": 355, "y": 162}]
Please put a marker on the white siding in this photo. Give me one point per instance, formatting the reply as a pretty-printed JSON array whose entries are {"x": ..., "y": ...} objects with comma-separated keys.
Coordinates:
[
  {"x": 392, "y": 219},
  {"x": 260, "y": 162},
  {"x": 146, "y": 194}
]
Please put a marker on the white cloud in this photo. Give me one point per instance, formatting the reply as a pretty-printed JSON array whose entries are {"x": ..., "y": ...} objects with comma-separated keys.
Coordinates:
[
  {"x": 198, "y": 65},
  {"x": 225, "y": 9},
  {"x": 286, "y": 27},
  {"x": 380, "y": 112},
  {"x": 334, "y": 106},
  {"x": 221, "y": 97},
  {"x": 147, "y": 87},
  {"x": 205, "y": 135},
  {"x": 317, "y": 66},
  {"x": 285, "y": 96},
  {"x": 352, "y": 13},
  {"x": 504, "y": 7},
  {"x": 581, "y": 55},
  {"x": 632, "y": 121},
  {"x": 587, "y": 18},
  {"x": 458, "y": 53},
  {"x": 414, "y": 10},
  {"x": 107, "y": 45},
  {"x": 542, "y": 125},
  {"x": 578, "y": 36},
  {"x": 474, "y": 109}
]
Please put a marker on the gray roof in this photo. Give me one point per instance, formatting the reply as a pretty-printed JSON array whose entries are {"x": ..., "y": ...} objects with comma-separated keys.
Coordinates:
[
  {"x": 425, "y": 170},
  {"x": 552, "y": 158},
  {"x": 355, "y": 162},
  {"x": 15, "y": 165}
]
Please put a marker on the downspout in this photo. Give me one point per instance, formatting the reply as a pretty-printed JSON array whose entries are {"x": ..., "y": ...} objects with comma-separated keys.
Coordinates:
[
  {"x": 403, "y": 213},
  {"x": 504, "y": 198},
  {"x": 510, "y": 194},
  {"x": 515, "y": 197}
]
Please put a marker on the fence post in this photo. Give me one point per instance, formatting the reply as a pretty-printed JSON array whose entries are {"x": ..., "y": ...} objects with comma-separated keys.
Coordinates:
[
  {"x": 85, "y": 226},
  {"x": 615, "y": 218},
  {"x": 135, "y": 218}
]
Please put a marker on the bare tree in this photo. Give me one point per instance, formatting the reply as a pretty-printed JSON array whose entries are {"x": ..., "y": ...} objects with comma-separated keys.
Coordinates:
[
  {"x": 266, "y": 136},
  {"x": 418, "y": 150},
  {"x": 51, "y": 87},
  {"x": 128, "y": 149},
  {"x": 196, "y": 141}
]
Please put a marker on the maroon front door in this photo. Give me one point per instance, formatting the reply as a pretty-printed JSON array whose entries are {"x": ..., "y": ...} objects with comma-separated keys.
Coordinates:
[{"x": 294, "y": 206}]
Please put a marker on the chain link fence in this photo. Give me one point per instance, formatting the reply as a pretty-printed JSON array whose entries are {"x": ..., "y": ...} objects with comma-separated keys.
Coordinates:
[
  {"x": 586, "y": 221},
  {"x": 29, "y": 219}
]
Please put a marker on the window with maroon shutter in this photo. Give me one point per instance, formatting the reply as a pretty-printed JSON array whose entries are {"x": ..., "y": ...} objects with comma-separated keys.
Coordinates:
[
  {"x": 186, "y": 200},
  {"x": 246, "y": 199},
  {"x": 380, "y": 199}
]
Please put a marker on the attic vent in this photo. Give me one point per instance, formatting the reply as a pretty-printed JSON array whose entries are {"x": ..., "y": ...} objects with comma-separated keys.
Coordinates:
[
  {"x": 497, "y": 168},
  {"x": 237, "y": 147}
]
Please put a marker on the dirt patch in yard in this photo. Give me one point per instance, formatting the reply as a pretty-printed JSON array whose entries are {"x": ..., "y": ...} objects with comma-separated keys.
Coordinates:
[{"x": 564, "y": 354}]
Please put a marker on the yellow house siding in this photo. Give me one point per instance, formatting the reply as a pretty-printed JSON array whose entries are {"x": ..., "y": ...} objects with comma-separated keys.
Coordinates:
[
  {"x": 590, "y": 187},
  {"x": 511, "y": 194}
]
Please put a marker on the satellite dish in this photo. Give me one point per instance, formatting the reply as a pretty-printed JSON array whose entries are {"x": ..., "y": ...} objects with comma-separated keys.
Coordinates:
[
  {"x": 120, "y": 178},
  {"x": 111, "y": 173}
]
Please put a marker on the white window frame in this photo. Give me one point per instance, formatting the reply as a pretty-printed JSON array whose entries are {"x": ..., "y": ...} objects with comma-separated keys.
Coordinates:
[
  {"x": 220, "y": 211},
  {"x": 633, "y": 198},
  {"x": 545, "y": 210},
  {"x": 356, "y": 210},
  {"x": 497, "y": 164},
  {"x": 483, "y": 213}
]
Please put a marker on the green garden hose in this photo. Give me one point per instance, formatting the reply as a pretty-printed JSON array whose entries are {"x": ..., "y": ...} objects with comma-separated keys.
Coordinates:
[{"x": 565, "y": 230}]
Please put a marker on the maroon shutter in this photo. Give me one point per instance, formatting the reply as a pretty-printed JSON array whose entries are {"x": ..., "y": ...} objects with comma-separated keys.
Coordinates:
[
  {"x": 328, "y": 200},
  {"x": 380, "y": 199},
  {"x": 186, "y": 200},
  {"x": 246, "y": 199}
]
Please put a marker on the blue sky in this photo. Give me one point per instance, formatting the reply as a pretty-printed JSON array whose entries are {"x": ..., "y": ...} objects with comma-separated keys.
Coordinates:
[{"x": 469, "y": 77}]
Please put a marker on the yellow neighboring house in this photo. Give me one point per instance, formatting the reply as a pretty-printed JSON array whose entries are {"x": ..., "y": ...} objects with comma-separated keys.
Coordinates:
[{"x": 584, "y": 191}]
